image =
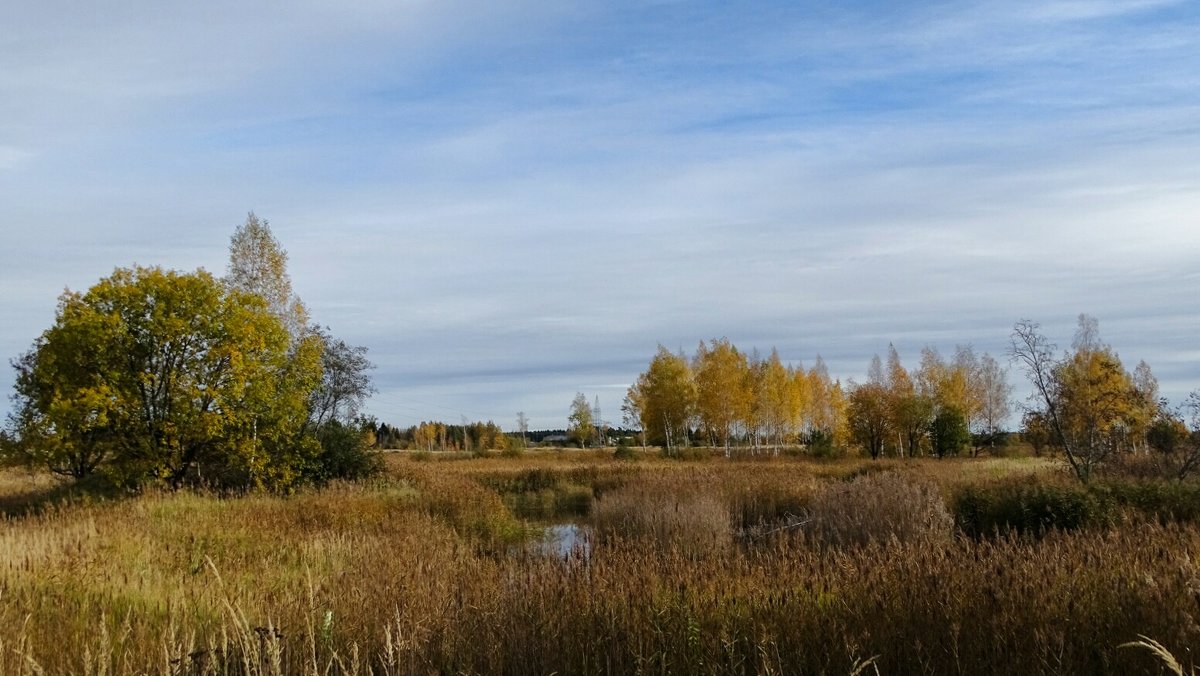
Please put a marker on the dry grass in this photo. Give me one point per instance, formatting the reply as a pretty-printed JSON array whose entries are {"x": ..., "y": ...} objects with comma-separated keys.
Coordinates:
[
  {"x": 879, "y": 508},
  {"x": 660, "y": 515},
  {"x": 423, "y": 573}
]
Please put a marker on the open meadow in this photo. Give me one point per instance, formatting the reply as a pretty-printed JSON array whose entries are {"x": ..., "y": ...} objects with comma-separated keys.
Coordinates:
[{"x": 707, "y": 565}]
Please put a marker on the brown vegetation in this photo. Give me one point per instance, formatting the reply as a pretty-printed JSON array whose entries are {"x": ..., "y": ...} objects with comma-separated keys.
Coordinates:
[{"x": 696, "y": 569}]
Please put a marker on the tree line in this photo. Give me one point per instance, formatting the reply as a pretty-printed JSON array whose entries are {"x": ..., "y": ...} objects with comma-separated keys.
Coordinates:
[
  {"x": 439, "y": 436},
  {"x": 481, "y": 436},
  {"x": 1085, "y": 403},
  {"x": 723, "y": 397},
  {"x": 162, "y": 376}
]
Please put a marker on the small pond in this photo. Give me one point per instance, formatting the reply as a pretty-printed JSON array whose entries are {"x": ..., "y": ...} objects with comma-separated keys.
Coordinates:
[{"x": 562, "y": 540}]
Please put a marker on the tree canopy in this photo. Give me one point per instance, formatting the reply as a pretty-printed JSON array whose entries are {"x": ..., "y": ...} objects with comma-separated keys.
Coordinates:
[
  {"x": 160, "y": 374},
  {"x": 1089, "y": 402},
  {"x": 581, "y": 424}
]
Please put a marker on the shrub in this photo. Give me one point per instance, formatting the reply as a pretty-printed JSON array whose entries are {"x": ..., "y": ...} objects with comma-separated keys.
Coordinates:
[
  {"x": 1140, "y": 466},
  {"x": 624, "y": 452},
  {"x": 564, "y": 500},
  {"x": 689, "y": 453},
  {"x": 1162, "y": 500},
  {"x": 1027, "y": 506},
  {"x": 530, "y": 480},
  {"x": 573, "y": 500},
  {"x": 948, "y": 432},
  {"x": 513, "y": 448},
  {"x": 997, "y": 443},
  {"x": 820, "y": 445},
  {"x": 764, "y": 504},
  {"x": 344, "y": 454},
  {"x": 878, "y": 507},
  {"x": 544, "y": 493}
]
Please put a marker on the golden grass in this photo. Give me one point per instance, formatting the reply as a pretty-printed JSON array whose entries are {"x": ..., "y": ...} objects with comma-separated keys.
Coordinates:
[{"x": 424, "y": 572}]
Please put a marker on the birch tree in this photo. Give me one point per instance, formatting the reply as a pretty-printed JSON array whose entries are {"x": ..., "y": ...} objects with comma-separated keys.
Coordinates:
[
  {"x": 664, "y": 400},
  {"x": 258, "y": 265},
  {"x": 721, "y": 394},
  {"x": 909, "y": 411},
  {"x": 1085, "y": 396},
  {"x": 581, "y": 427},
  {"x": 779, "y": 401},
  {"x": 996, "y": 402}
]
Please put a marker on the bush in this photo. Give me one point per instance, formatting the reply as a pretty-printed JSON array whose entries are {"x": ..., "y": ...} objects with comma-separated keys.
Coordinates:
[
  {"x": 1162, "y": 500},
  {"x": 1034, "y": 507},
  {"x": 543, "y": 493},
  {"x": 530, "y": 480},
  {"x": 513, "y": 447},
  {"x": 948, "y": 432},
  {"x": 1141, "y": 466},
  {"x": 561, "y": 501},
  {"x": 879, "y": 507},
  {"x": 764, "y": 505},
  {"x": 625, "y": 452},
  {"x": 689, "y": 453},
  {"x": 997, "y": 443},
  {"x": 344, "y": 454},
  {"x": 820, "y": 445},
  {"x": 1027, "y": 506}
]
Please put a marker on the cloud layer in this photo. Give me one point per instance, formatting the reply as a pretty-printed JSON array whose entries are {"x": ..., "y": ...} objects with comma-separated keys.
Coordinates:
[{"x": 511, "y": 205}]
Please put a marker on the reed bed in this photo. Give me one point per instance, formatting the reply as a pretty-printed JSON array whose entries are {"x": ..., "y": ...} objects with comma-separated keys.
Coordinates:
[{"x": 424, "y": 572}]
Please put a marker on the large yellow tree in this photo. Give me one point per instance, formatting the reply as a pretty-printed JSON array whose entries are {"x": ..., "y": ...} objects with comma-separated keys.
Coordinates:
[{"x": 156, "y": 374}]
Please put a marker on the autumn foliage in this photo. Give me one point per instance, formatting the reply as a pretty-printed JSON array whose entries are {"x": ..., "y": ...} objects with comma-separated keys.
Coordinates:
[{"x": 155, "y": 375}]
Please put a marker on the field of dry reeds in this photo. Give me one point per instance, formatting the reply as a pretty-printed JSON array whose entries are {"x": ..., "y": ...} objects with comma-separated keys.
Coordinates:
[{"x": 976, "y": 566}]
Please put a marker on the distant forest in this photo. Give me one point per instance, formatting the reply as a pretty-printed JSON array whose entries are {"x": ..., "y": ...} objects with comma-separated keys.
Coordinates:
[{"x": 474, "y": 436}]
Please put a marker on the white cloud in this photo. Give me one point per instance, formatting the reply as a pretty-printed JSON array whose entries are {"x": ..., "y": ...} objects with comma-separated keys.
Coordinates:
[{"x": 11, "y": 157}]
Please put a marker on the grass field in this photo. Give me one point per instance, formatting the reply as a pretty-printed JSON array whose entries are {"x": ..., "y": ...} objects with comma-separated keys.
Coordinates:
[{"x": 778, "y": 565}]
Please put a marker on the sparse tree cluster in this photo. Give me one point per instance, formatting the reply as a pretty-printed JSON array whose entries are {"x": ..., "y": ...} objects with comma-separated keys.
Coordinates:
[{"x": 934, "y": 409}]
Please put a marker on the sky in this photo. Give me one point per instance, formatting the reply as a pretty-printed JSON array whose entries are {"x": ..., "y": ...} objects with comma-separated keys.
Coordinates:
[{"x": 512, "y": 202}]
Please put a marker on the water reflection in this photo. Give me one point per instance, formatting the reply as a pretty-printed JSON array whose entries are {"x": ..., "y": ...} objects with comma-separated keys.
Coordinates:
[{"x": 564, "y": 540}]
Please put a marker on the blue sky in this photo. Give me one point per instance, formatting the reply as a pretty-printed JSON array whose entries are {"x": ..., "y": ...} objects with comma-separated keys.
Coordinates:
[{"x": 512, "y": 202}]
